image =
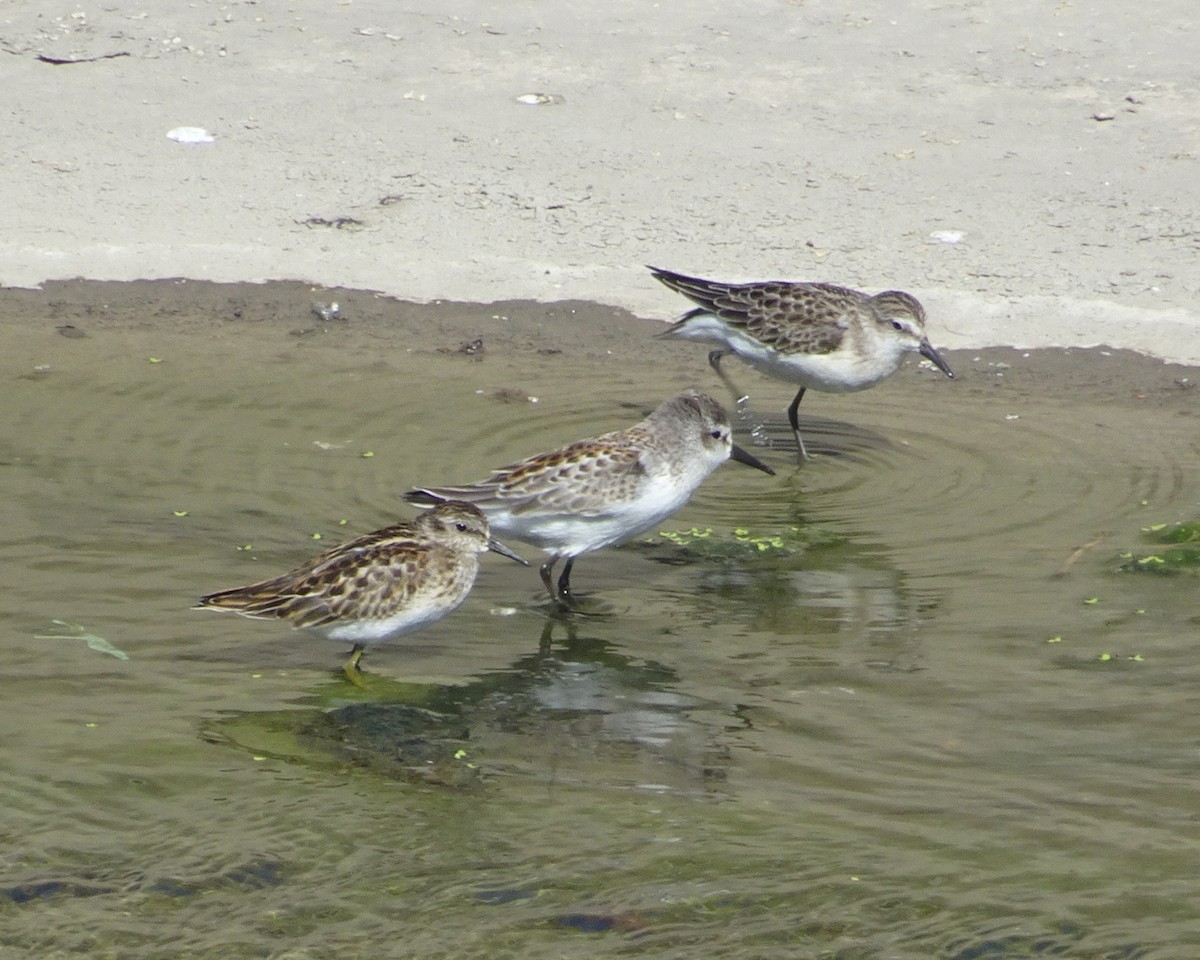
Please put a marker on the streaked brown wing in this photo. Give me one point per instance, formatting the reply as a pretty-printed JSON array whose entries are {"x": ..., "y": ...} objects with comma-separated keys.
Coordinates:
[
  {"x": 791, "y": 317},
  {"x": 360, "y": 579},
  {"x": 585, "y": 478}
]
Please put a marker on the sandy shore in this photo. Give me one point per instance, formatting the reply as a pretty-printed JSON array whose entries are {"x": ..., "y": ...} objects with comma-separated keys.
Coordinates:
[{"x": 1028, "y": 170}]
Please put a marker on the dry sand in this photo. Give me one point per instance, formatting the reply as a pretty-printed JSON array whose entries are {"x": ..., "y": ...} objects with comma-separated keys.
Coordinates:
[{"x": 1029, "y": 169}]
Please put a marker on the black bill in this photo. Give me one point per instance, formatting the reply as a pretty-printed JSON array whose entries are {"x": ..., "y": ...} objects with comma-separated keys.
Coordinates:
[
  {"x": 497, "y": 547},
  {"x": 927, "y": 351},
  {"x": 741, "y": 456}
]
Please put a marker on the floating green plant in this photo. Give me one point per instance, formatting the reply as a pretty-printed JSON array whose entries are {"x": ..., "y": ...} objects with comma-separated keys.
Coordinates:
[
  {"x": 741, "y": 543},
  {"x": 1175, "y": 532},
  {"x": 1174, "y": 547}
]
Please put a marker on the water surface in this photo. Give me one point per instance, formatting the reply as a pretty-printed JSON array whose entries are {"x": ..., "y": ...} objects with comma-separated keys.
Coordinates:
[{"x": 898, "y": 703}]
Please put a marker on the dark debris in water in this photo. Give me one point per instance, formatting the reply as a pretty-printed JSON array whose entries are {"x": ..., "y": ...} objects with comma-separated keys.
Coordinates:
[
  {"x": 603, "y": 922},
  {"x": 51, "y": 889},
  {"x": 1063, "y": 942},
  {"x": 256, "y": 874}
]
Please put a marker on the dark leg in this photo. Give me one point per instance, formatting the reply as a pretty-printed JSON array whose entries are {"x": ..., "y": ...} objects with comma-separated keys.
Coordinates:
[
  {"x": 559, "y": 615},
  {"x": 547, "y": 640},
  {"x": 564, "y": 583},
  {"x": 714, "y": 361},
  {"x": 794, "y": 420},
  {"x": 546, "y": 569}
]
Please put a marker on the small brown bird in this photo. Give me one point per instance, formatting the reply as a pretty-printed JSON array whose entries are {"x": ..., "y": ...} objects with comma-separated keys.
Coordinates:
[
  {"x": 818, "y": 335},
  {"x": 605, "y": 490},
  {"x": 377, "y": 587}
]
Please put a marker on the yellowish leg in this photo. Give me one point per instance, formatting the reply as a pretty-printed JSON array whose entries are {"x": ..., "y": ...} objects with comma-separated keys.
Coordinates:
[
  {"x": 714, "y": 361},
  {"x": 350, "y": 668}
]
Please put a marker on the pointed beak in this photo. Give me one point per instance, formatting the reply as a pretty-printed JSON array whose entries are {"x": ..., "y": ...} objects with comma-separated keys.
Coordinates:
[
  {"x": 497, "y": 547},
  {"x": 926, "y": 350},
  {"x": 741, "y": 456}
]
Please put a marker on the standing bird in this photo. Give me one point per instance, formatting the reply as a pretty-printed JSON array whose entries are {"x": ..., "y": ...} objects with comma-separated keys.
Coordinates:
[
  {"x": 815, "y": 334},
  {"x": 377, "y": 587},
  {"x": 603, "y": 491}
]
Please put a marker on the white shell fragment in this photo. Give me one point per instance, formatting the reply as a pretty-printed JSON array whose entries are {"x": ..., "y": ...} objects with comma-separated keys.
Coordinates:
[
  {"x": 190, "y": 135},
  {"x": 947, "y": 236},
  {"x": 539, "y": 99},
  {"x": 327, "y": 311}
]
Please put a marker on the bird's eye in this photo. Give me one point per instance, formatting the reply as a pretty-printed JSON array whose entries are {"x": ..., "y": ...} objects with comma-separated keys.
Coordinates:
[
  {"x": 716, "y": 434},
  {"x": 897, "y": 325},
  {"x": 460, "y": 527}
]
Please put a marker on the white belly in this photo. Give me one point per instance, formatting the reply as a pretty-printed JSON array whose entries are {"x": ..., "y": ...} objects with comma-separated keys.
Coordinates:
[
  {"x": 370, "y": 632},
  {"x": 567, "y": 534},
  {"x": 848, "y": 368}
]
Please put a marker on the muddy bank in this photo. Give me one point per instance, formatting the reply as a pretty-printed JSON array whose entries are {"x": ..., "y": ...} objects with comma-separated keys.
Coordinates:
[{"x": 567, "y": 331}]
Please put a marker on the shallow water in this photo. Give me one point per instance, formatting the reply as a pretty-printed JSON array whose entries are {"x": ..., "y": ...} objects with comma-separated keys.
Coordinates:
[{"x": 831, "y": 725}]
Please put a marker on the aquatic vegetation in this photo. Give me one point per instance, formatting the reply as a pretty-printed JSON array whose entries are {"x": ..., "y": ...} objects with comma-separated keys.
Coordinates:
[
  {"x": 1174, "y": 548},
  {"x": 741, "y": 543},
  {"x": 73, "y": 631}
]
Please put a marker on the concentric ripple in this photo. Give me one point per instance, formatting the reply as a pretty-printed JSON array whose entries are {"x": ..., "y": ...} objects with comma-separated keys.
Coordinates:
[
  {"x": 896, "y": 700},
  {"x": 974, "y": 477}
]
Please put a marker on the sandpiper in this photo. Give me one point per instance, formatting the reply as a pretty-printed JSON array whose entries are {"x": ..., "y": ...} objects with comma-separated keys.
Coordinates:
[
  {"x": 818, "y": 335},
  {"x": 606, "y": 490},
  {"x": 377, "y": 587}
]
